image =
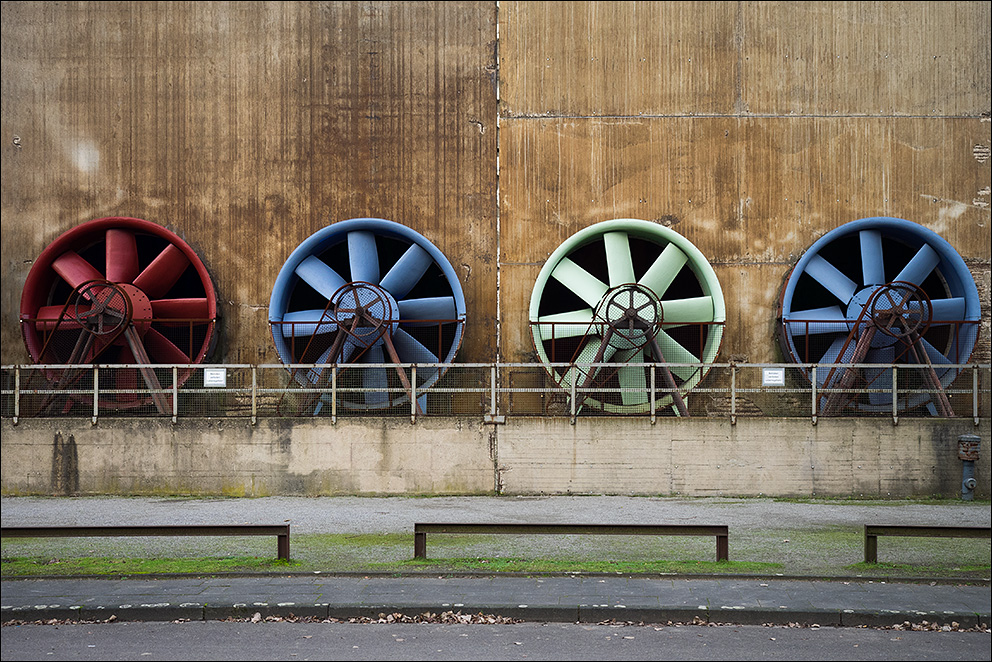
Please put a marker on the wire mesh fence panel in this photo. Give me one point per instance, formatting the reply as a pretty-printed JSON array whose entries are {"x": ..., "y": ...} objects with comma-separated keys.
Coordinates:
[
  {"x": 218, "y": 392},
  {"x": 139, "y": 391},
  {"x": 461, "y": 391},
  {"x": 780, "y": 391}
]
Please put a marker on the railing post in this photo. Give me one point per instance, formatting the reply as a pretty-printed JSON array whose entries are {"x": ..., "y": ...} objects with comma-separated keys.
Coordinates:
[
  {"x": 813, "y": 390},
  {"x": 733, "y": 394},
  {"x": 334, "y": 394},
  {"x": 571, "y": 386},
  {"x": 175, "y": 393},
  {"x": 17, "y": 393},
  {"x": 254, "y": 394},
  {"x": 492, "y": 387},
  {"x": 654, "y": 414},
  {"x": 974, "y": 393},
  {"x": 895, "y": 397},
  {"x": 96, "y": 393},
  {"x": 413, "y": 393}
]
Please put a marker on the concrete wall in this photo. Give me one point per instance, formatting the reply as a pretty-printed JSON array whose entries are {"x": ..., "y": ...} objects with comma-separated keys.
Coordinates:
[{"x": 690, "y": 457}]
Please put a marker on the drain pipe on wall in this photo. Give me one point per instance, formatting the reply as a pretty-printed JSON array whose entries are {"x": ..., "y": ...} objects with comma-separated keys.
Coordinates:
[{"x": 968, "y": 447}]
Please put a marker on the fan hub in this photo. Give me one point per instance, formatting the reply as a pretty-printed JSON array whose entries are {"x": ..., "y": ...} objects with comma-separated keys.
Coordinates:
[
  {"x": 632, "y": 312},
  {"x": 104, "y": 308},
  {"x": 366, "y": 312},
  {"x": 895, "y": 309}
]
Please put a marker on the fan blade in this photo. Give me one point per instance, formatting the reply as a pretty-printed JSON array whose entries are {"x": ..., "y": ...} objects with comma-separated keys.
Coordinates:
[
  {"x": 126, "y": 379},
  {"x": 664, "y": 270},
  {"x": 687, "y": 311},
  {"x": 872, "y": 266},
  {"x": 565, "y": 325},
  {"x": 48, "y": 318},
  {"x": 949, "y": 310},
  {"x": 818, "y": 320},
  {"x": 410, "y": 350},
  {"x": 917, "y": 270},
  {"x": 319, "y": 276},
  {"x": 162, "y": 350},
  {"x": 880, "y": 378},
  {"x": 163, "y": 272},
  {"x": 587, "y": 355},
  {"x": 193, "y": 309},
  {"x": 122, "y": 256},
  {"x": 936, "y": 356},
  {"x": 302, "y": 323},
  {"x": 937, "y": 359},
  {"x": 579, "y": 281},
  {"x": 618, "y": 261},
  {"x": 676, "y": 353},
  {"x": 834, "y": 355},
  {"x": 375, "y": 378},
  {"x": 633, "y": 377},
  {"x": 363, "y": 257},
  {"x": 407, "y": 272},
  {"x": 74, "y": 269},
  {"x": 426, "y": 312},
  {"x": 831, "y": 278},
  {"x": 313, "y": 374}
]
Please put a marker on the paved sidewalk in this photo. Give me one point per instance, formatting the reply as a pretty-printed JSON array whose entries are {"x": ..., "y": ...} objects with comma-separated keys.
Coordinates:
[{"x": 586, "y": 598}]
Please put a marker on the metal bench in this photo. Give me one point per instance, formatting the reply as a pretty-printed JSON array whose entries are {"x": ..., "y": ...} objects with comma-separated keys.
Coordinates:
[
  {"x": 421, "y": 529},
  {"x": 281, "y": 531},
  {"x": 873, "y": 532}
]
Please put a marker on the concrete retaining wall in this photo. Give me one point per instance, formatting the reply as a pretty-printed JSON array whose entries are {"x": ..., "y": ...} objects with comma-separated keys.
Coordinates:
[{"x": 691, "y": 457}]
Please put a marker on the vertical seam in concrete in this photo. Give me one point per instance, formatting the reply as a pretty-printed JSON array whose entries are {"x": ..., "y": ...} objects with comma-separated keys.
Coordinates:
[
  {"x": 499, "y": 245},
  {"x": 740, "y": 112},
  {"x": 497, "y": 480}
]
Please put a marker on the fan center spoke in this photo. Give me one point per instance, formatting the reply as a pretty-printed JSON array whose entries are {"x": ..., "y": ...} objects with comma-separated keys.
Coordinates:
[
  {"x": 366, "y": 312},
  {"x": 895, "y": 309},
  {"x": 631, "y": 313}
]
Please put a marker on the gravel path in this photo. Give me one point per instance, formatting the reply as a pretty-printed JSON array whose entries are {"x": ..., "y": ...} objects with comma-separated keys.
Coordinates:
[{"x": 398, "y": 514}]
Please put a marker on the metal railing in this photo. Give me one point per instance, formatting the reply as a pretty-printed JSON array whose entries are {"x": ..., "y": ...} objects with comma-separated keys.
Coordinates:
[{"x": 493, "y": 391}]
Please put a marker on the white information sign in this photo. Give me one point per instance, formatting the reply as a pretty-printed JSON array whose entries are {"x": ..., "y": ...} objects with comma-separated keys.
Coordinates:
[
  {"x": 773, "y": 376},
  {"x": 215, "y": 377}
]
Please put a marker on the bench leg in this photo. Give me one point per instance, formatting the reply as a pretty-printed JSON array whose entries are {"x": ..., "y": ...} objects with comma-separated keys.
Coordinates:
[
  {"x": 283, "y": 546},
  {"x": 420, "y": 545},
  {"x": 723, "y": 548},
  {"x": 871, "y": 549}
]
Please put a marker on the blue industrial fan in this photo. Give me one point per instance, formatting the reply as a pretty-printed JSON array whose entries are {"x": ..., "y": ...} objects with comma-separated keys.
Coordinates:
[
  {"x": 367, "y": 291},
  {"x": 886, "y": 292}
]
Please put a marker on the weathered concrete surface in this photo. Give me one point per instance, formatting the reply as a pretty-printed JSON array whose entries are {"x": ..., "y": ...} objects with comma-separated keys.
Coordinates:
[
  {"x": 705, "y": 457},
  {"x": 275, "y": 457},
  {"x": 460, "y": 456}
]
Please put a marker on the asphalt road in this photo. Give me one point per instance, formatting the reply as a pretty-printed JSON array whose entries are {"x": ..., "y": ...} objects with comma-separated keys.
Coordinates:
[{"x": 215, "y": 640}]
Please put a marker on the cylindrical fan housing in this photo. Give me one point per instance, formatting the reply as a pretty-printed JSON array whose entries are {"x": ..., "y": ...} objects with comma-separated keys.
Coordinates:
[
  {"x": 840, "y": 304},
  {"x": 627, "y": 291},
  {"x": 370, "y": 291}
]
